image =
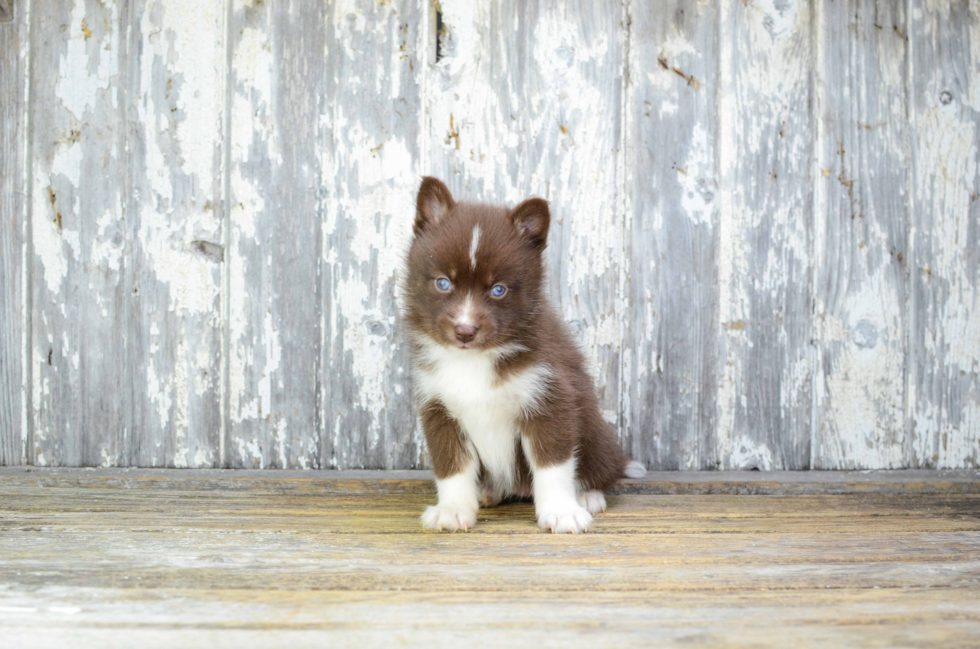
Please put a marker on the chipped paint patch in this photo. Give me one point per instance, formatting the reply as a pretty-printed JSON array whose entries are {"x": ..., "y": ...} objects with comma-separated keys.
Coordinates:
[
  {"x": 747, "y": 454},
  {"x": 75, "y": 85}
]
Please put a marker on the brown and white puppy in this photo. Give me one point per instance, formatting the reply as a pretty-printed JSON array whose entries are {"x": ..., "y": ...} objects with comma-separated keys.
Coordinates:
[{"x": 506, "y": 404}]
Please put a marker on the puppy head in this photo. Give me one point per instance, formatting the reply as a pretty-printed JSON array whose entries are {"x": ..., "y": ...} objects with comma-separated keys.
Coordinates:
[{"x": 475, "y": 271}]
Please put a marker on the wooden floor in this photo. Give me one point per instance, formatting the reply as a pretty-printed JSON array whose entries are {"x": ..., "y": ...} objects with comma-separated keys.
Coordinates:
[{"x": 173, "y": 559}]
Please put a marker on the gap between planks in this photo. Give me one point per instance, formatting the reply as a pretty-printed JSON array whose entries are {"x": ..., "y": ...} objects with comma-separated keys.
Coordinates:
[{"x": 771, "y": 483}]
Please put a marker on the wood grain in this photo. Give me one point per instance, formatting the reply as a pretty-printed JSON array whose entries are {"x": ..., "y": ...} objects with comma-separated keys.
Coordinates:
[
  {"x": 765, "y": 228},
  {"x": 944, "y": 342},
  {"x": 274, "y": 312},
  {"x": 373, "y": 146},
  {"x": 860, "y": 235},
  {"x": 171, "y": 251},
  {"x": 575, "y": 63},
  {"x": 476, "y": 111},
  {"x": 13, "y": 219},
  {"x": 764, "y": 258},
  {"x": 359, "y": 482},
  {"x": 673, "y": 275},
  {"x": 215, "y": 564},
  {"x": 78, "y": 192}
]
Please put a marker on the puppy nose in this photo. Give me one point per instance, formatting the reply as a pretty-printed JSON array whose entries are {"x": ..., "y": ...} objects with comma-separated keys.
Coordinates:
[{"x": 465, "y": 333}]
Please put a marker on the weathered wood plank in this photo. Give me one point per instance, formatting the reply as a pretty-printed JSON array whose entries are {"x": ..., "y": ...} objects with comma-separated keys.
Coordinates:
[
  {"x": 840, "y": 570},
  {"x": 575, "y": 65},
  {"x": 13, "y": 220},
  {"x": 847, "y": 569},
  {"x": 775, "y": 194},
  {"x": 476, "y": 106},
  {"x": 277, "y": 101},
  {"x": 81, "y": 403},
  {"x": 764, "y": 257},
  {"x": 372, "y": 147},
  {"x": 944, "y": 342},
  {"x": 211, "y": 512},
  {"x": 673, "y": 268},
  {"x": 854, "y": 616},
  {"x": 172, "y": 253},
  {"x": 860, "y": 235},
  {"x": 768, "y": 483}
]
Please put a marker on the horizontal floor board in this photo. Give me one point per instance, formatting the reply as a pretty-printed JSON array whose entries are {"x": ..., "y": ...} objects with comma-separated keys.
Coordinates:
[
  {"x": 182, "y": 559},
  {"x": 774, "y": 483}
]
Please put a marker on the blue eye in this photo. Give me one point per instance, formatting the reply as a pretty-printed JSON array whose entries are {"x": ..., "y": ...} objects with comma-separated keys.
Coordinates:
[
  {"x": 498, "y": 290},
  {"x": 443, "y": 284}
]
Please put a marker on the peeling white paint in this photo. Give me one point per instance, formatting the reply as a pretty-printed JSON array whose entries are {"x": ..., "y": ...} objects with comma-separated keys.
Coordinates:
[
  {"x": 75, "y": 85},
  {"x": 48, "y": 245},
  {"x": 944, "y": 393},
  {"x": 747, "y": 454},
  {"x": 495, "y": 138}
]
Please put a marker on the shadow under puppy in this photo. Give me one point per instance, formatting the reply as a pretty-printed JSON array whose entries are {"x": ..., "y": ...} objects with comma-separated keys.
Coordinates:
[{"x": 507, "y": 407}]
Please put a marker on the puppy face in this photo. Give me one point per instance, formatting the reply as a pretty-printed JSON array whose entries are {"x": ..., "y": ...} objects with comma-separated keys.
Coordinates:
[{"x": 474, "y": 271}]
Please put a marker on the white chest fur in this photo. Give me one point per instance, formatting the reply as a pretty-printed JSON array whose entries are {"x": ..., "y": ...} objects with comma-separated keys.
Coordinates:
[{"x": 488, "y": 409}]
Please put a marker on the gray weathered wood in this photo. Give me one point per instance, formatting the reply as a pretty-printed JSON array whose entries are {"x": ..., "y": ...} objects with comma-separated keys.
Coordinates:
[
  {"x": 944, "y": 343},
  {"x": 764, "y": 286},
  {"x": 476, "y": 106},
  {"x": 765, "y": 230},
  {"x": 372, "y": 143},
  {"x": 13, "y": 128},
  {"x": 672, "y": 179},
  {"x": 276, "y": 104},
  {"x": 80, "y": 397},
  {"x": 860, "y": 235},
  {"x": 127, "y": 104},
  {"x": 180, "y": 561},
  {"x": 575, "y": 66},
  {"x": 171, "y": 255}
]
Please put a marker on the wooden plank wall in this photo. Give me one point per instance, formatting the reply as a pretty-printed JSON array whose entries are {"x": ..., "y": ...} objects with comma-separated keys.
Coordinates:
[
  {"x": 13, "y": 127},
  {"x": 766, "y": 236}
]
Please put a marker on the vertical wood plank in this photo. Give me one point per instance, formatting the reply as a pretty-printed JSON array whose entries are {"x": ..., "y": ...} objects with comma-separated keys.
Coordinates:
[
  {"x": 861, "y": 203},
  {"x": 475, "y": 104},
  {"x": 13, "y": 118},
  {"x": 372, "y": 146},
  {"x": 944, "y": 343},
  {"x": 78, "y": 187},
  {"x": 672, "y": 142},
  {"x": 173, "y": 251},
  {"x": 575, "y": 66},
  {"x": 765, "y": 303},
  {"x": 278, "y": 91}
]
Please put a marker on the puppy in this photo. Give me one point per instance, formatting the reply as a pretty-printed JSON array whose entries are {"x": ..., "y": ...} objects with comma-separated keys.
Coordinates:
[{"x": 507, "y": 407}]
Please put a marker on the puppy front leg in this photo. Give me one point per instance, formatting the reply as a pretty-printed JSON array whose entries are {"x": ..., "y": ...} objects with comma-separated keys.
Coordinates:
[
  {"x": 552, "y": 460},
  {"x": 456, "y": 472}
]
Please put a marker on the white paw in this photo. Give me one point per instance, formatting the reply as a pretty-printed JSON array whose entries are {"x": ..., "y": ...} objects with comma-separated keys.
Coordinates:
[
  {"x": 449, "y": 518},
  {"x": 593, "y": 501},
  {"x": 570, "y": 519}
]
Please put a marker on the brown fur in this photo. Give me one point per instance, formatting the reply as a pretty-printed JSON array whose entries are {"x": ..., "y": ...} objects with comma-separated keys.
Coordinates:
[{"x": 510, "y": 253}]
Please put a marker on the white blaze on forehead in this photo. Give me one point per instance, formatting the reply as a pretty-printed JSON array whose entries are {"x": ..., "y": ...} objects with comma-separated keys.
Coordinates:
[
  {"x": 474, "y": 243},
  {"x": 465, "y": 316}
]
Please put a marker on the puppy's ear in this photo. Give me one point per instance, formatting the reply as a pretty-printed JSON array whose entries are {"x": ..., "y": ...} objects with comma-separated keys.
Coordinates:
[
  {"x": 433, "y": 205},
  {"x": 532, "y": 218}
]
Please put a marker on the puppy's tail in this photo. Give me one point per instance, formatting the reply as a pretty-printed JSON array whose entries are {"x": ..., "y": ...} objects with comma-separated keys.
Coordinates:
[{"x": 635, "y": 470}]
